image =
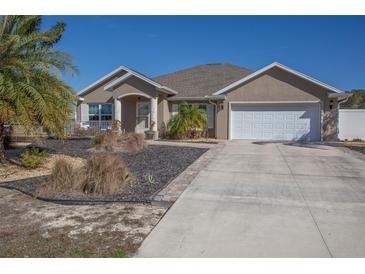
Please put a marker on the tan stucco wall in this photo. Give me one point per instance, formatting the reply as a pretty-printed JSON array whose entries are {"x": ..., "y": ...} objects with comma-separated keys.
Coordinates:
[
  {"x": 135, "y": 85},
  {"x": 163, "y": 115},
  {"x": 275, "y": 85},
  {"x": 98, "y": 94}
]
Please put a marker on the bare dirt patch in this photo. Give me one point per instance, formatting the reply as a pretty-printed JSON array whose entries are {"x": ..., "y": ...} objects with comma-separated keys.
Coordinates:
[
  {"x": 11, "y": 172},
  {"x": 32, "y": 228}
]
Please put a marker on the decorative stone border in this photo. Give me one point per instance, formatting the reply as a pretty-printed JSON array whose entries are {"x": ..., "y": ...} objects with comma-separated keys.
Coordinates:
[{"x": 171, "y": 192}]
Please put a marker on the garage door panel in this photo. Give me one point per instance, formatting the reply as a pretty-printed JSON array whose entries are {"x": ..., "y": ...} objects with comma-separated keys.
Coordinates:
[{"x": 276, "y": 121}]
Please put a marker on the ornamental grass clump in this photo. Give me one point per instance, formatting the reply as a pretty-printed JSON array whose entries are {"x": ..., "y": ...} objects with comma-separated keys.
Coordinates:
[
  {"x": 106, "y": 141},
  {"x": 134, "y": 142},
  {"x": 102, "y": 174},
  {"x": 63, "y": 179},
  {"x": 110, "y": 141},
  {"x": 105, "y": 174}
]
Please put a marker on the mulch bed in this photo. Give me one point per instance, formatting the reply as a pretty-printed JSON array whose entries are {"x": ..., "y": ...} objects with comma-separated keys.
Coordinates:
[{"x": 153, "y": 168}]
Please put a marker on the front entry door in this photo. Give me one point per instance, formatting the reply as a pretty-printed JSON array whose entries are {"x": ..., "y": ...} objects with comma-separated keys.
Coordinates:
[{"x": 143, "y": 110}]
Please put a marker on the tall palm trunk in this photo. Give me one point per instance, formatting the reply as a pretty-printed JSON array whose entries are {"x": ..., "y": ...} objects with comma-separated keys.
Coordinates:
[{"x": 2, "y": 146}]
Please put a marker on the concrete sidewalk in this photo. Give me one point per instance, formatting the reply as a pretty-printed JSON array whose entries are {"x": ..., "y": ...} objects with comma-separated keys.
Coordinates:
[{"x": 268, "y": 200}]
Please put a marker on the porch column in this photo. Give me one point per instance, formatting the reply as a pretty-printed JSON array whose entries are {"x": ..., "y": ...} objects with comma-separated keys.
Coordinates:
[
  {"x": 154, "y": 113},
  {"x": 118, "y": 111}
]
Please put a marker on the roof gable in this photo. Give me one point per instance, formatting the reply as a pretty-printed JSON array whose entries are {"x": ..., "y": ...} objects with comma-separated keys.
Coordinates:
[
  {"x": 264, "y": 69},
  {"x": 124, "y": 77},
  {"x": 101, "y": 80}
]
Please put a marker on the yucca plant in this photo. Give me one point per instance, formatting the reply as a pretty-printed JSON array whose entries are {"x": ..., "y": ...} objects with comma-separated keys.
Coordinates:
[
  {"x": 187, "y": 122},
  {"x": 31, "y": 91}
]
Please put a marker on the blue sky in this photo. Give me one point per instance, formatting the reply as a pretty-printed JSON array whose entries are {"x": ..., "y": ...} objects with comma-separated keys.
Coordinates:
[{"x": 329, "y": 48}]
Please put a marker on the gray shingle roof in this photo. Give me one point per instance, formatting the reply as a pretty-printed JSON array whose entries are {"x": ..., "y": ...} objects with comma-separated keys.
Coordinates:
[{"x": 202, "y": 80}]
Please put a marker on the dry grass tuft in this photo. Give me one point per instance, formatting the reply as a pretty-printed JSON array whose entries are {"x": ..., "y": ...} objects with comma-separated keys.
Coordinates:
[
  {"x": 103, "y": 174},
  {"x": 135, "y": 142},
  {"x": 112, "y": 140},
  {"x": 61, "y": 180}
]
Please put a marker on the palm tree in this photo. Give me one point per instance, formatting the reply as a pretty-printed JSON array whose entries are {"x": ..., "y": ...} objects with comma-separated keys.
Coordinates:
[
  {"x": 187, "y": 122},
  {"x": 31, "y": 91}
]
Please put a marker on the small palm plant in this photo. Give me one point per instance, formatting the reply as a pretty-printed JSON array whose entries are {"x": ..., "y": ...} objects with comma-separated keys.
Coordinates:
[
  {"x": 31, "y": 93},
  {"x": 190, "y": 121}
]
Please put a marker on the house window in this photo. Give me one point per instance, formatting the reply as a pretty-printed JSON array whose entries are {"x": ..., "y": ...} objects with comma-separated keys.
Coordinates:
[
  {"x": 143, "y": 115},
  {"x": 100, "y": 112},
  {"x": 209, "y": 109}
]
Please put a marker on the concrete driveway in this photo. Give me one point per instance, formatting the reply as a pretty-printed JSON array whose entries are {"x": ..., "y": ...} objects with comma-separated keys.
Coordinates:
[{"x": 268, "y": 200}]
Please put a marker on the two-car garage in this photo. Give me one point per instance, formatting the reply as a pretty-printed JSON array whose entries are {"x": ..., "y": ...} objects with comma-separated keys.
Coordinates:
[{"x": 276, "y": 121}]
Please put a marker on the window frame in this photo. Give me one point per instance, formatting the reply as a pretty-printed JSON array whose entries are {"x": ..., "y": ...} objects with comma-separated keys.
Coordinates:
[
  {"x": 99, "y": 114},
  {"x": 148, "y": 116}
]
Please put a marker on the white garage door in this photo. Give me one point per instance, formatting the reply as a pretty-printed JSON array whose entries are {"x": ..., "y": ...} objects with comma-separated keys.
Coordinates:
[{"x": 276, "y": 121}]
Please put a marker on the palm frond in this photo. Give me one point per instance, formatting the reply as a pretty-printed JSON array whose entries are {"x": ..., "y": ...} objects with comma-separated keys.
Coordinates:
[{"x": 30, "y": 92}]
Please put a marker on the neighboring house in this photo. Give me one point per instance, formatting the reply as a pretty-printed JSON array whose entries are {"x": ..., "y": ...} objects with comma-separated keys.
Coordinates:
[{"x": 273, "y": 103}]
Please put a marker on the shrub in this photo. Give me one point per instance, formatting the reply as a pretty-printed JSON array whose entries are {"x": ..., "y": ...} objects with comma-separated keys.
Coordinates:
[
  {"x": 120, "y": 254},
  {"x": 105, "y": 174},
  {"x": 190, "y": 122},
  {"x": 33, "y": 158}
]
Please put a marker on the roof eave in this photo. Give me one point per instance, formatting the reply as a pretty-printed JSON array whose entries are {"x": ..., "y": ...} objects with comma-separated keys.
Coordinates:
[{"x": 198, "y": 98}]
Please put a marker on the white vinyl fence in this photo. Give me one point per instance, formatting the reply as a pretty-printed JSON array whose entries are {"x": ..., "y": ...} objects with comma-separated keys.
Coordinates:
[{"x": 351, "y": 124}]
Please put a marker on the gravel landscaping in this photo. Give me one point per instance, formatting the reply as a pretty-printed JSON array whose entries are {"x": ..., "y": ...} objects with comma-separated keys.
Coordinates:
[{"x": 152, "y": 168}]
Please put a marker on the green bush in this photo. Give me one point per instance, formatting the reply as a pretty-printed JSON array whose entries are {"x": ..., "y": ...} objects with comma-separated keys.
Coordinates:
[
  {"x": 33, "y": 158},
  {"x": 120, "y": 254},
  {"x": 190, "y": 122}
]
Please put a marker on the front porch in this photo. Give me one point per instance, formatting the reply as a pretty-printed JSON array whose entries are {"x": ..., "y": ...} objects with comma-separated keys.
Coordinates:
[
  {"x": 136, "y": 113},
  {"x": 131, "y": 112}
]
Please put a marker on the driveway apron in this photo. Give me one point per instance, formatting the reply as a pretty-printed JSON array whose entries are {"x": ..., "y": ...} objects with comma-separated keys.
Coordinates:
[{"x": 267, "y": 199}]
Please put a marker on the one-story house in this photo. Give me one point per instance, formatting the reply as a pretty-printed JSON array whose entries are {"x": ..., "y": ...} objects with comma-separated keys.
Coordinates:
[{"x": 272, "y": 103}]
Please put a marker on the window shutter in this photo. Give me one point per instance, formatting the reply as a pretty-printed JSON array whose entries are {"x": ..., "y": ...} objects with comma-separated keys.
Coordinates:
[
  {"x": 84, "y": 112},
  {"x": 175, "y": 110},
  {"x": 210, "y": 114}
]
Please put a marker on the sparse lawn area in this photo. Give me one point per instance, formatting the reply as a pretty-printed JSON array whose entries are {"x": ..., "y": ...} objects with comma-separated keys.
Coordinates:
[{"x": 34, "y": 228}]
